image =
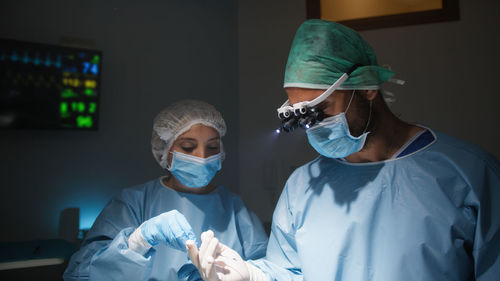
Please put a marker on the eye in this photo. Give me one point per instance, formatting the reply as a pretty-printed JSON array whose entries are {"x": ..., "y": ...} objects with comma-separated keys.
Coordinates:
[
  {"x": 187, "y": 146},
  {"x": 323, "y": 106},
  {"x": 213, "y": 146},
  {"x": 188, "y": 149}
]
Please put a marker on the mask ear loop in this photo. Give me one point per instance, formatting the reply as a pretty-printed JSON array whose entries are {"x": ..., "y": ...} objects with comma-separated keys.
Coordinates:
[
  {"x": 369, "y": 117},
  {"x": 352, "y": 96}
]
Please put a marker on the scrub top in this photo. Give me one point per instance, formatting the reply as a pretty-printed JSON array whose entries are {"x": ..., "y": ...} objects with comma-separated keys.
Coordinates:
[{"x": 432, "y": 214}]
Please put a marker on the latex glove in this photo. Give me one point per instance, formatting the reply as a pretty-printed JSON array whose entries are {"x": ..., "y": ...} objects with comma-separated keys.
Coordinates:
[
  {"x": 217, "y": 262},
  {"x": 170, "y": 228}
]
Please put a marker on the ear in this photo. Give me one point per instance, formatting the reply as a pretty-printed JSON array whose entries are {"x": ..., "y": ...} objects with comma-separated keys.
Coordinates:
[
  {"x": 170, "y": 154},
  {"x": 371, "y": 94}
]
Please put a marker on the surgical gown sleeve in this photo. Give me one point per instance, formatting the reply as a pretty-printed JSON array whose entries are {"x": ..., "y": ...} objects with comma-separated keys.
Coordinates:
[
  {"x": 253, "y": 235},
  {"x": 282, "y": 261},
  {"x": 104, "y": 254},
  {"x": 485, "y": 199}
]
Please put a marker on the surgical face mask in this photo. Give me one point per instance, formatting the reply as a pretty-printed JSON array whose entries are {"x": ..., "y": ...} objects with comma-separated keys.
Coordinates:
[
  {"x": 194, "y": 171},
  {"x": 332, "y": 138}
]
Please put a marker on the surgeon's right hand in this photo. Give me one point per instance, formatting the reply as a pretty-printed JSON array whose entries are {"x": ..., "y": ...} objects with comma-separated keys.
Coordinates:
[
  {"x": 170, "y": 228},
  {"x": 217, "y": 262}
]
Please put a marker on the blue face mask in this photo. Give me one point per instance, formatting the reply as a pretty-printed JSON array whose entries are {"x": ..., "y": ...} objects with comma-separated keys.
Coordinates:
[
  {"x": 332, "y": 138},
  {"x": 194, "y": 171}
]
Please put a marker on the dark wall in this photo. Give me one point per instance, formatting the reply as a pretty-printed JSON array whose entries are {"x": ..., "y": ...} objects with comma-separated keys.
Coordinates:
[
  {"x": 154, "y": 53},
  {"x": 451, "y": 72},
  {"x": 265, "y": 32}
]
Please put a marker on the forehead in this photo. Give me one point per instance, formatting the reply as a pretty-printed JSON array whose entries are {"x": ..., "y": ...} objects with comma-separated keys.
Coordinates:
[
  {"x": 296, "y": 95},
  {"x": 200, "y": 132}
]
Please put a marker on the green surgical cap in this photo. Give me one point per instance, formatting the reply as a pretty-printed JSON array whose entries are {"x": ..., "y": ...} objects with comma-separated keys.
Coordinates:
[{"x": 323, "y": 50}]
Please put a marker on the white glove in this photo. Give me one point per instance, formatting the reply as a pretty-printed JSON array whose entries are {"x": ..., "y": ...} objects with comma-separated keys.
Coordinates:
[{"x": 217, "y": 262}]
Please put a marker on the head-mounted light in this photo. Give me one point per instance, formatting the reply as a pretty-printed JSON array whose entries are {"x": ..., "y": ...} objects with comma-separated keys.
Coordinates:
[{"x": 306, "y": 114}]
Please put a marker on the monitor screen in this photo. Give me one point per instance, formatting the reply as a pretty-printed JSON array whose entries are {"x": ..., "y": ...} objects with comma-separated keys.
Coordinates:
[{"x": 48, "y": 87}]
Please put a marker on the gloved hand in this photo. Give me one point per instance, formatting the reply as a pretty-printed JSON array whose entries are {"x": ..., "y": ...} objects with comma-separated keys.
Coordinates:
[
  {"x": 217, "y": 262},
  {"x": 170, "y": 228}
]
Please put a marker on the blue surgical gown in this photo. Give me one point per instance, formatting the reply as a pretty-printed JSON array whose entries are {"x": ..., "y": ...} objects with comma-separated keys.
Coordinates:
[
  {"x": 431, "y": 215},
  {"x": 104, "y": 254}
]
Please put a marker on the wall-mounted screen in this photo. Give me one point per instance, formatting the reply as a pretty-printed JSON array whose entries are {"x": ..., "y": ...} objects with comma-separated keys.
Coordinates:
[{"x": 48, "y": 87}]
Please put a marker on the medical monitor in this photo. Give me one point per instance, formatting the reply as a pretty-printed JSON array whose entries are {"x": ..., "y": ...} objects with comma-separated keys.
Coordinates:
[{"x": 48, "y": 87}]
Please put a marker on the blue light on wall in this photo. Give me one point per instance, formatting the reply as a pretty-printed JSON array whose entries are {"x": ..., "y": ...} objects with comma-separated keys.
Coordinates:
[
  {"x": 89, "y": 212},
  {"x": 90, "y": 206}
]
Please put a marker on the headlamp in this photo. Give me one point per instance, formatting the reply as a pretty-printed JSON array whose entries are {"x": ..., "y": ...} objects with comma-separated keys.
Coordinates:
[{"x": 306, "y": 114}]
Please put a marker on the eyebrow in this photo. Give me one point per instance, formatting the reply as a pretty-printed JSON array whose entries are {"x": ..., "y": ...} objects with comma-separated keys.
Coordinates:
[
  {"x": 190, "y": 139},
  {"x": 193, "y": 139},
  {"x": 322, "y": 104}
]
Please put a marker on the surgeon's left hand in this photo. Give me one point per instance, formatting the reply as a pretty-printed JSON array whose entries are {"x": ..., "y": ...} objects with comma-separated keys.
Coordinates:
[{"x": 170, "y": 228}]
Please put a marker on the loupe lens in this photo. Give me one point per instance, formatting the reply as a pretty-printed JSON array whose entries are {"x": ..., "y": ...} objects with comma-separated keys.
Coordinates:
[
  {"x": 307, "y": 122},
  {"x": 290, "y": 124}
]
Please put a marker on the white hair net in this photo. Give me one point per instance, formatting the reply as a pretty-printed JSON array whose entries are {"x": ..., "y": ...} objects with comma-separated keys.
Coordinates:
[{"x": 178, "y": 118}]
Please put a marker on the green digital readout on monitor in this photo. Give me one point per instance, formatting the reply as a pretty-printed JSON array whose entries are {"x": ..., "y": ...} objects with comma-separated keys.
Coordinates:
[{"x": 48, "y": 87}]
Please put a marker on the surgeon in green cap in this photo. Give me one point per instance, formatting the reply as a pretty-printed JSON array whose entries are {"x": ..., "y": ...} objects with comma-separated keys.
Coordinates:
[{"x": 386, "y": 200}]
